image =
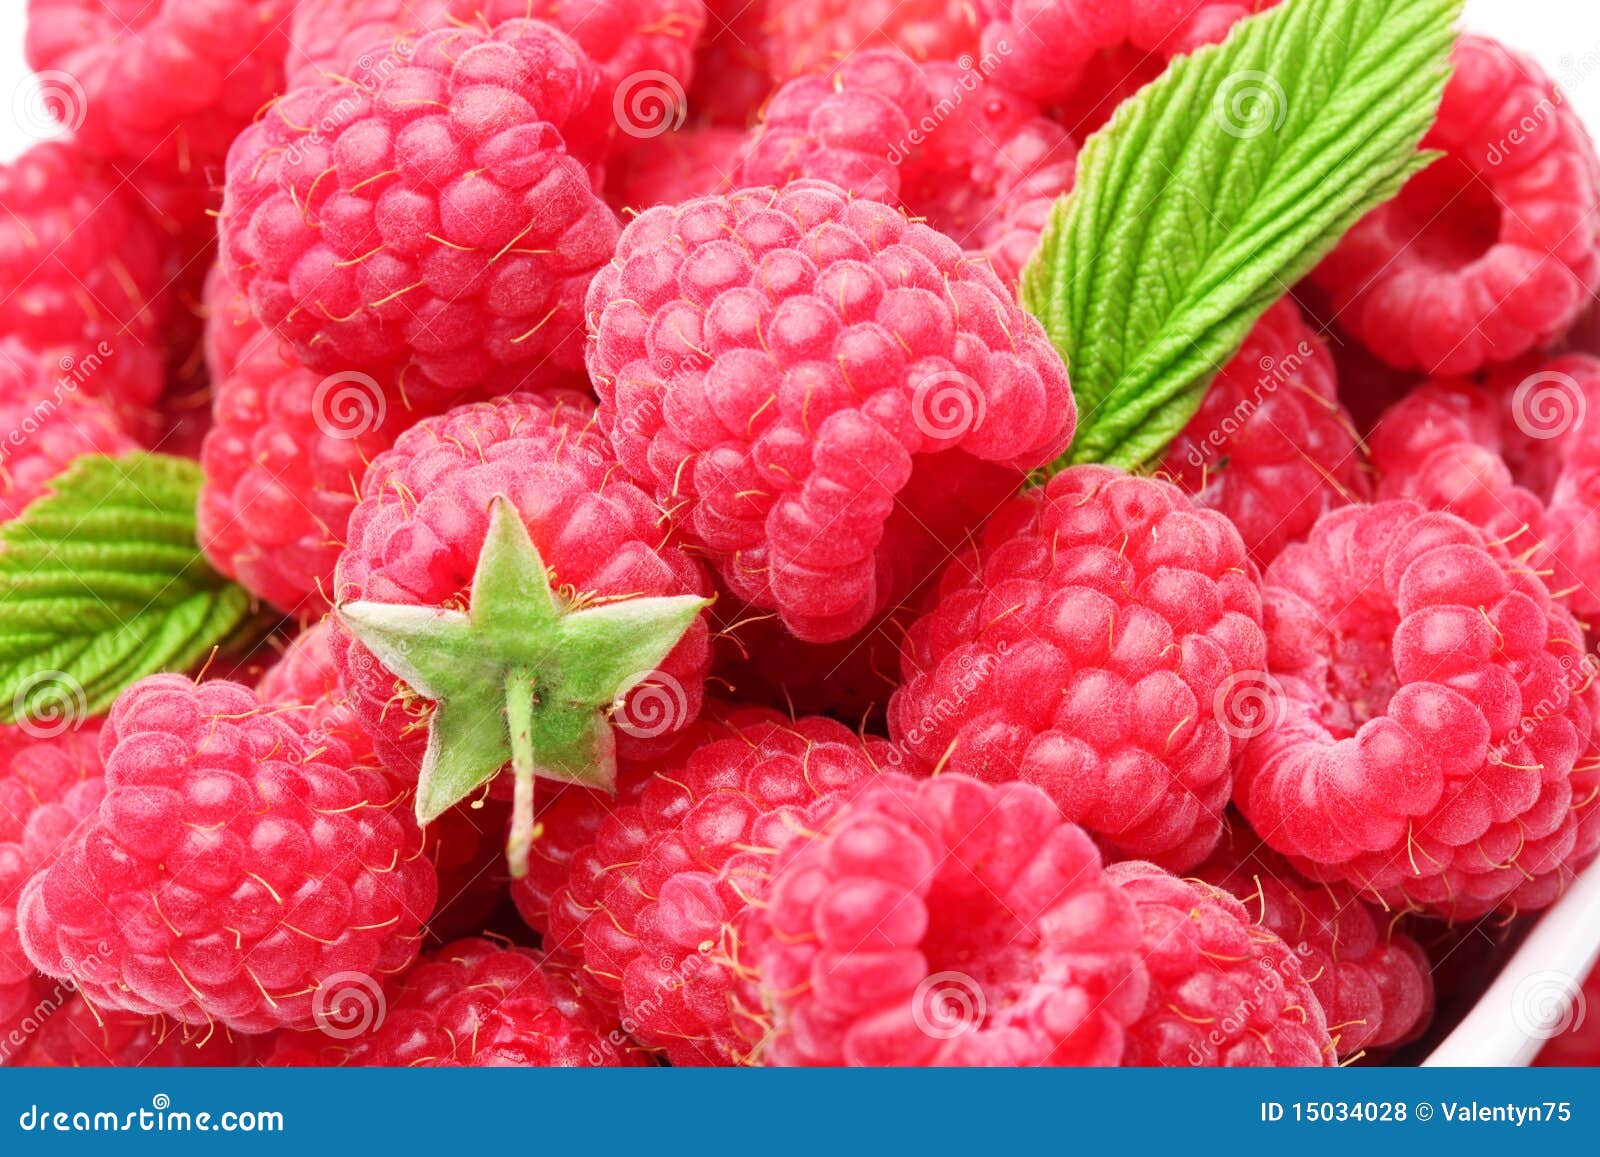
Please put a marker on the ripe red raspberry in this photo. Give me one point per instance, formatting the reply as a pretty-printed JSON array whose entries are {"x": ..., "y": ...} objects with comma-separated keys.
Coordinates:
[
  {"x": 75, "y": 1034},
  {"x": 823, "y": 393},
  {"x": 945, "y": 922},
  {"x": 420, "y": 530},
  {"x": 643, "y": 50},
  {"x": 804, "y": 36},
  {"x": 1443, "y": 446},
  {"x": 1375, "y": 985},
  {"x": 236, "y": 867},
  {"x": 47, "y": 784},
  {"x": 47, "y": 423},
  {"x": 1270, "y": 446},
  {"x": 1224, "y": 991},
  {"x": 1093, "y": 644},
  {"x": 432, "y": 230},
  {"x": 1491, "y": 251},
  {"x": 172, "y": 80},
  {"x": 283, "y": 462},
  {"x": 691, "y": 162},
  {"x": 471, "y": 1003},
  {"x": 650, "y": 900},
  {"x": 981, "y": 164},
  {"x": 1086, "y": 56},
  {"x": 82, "y": 270},
  {"x": 307, "y": 671},
  {"x": 1431, "y": 705}
]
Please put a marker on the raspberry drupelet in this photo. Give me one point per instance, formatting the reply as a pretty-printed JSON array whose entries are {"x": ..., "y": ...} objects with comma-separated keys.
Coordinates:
[
  {"x": 236, "y": 864},
  {"x": 1224, "y": 991},
  {"x": 1493, "y": 250},
  {"x": 1428, "y": 740},
  {"x": 808, "y": 36},
  {"x": 1375, "y": 984},
  {"x": 944, "y": 922},
  {"x": 443, "y": 232},
  {"x": 1099, "y": 642},
  {"x": 1270, "y": 446},
  {"x": 823, "y": 394},
  {"x": 471, "y": 1003},
  {"x": 78, "y": 1035},
  {"x": 169, "y": 80},
  {"x": 650, "y": 902}
]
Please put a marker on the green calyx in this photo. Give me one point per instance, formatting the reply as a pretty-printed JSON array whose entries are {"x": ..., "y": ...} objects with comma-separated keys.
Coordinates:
[{"x": 521, "y": 677}]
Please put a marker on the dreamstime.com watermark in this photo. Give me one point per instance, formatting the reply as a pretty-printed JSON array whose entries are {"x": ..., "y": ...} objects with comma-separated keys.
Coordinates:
[
  {"x": 21, "y": 1031},
  {"x": 75, "y": 373},
  {"x": 1266, "y": 992},
  {"x": 974, "y": 74},
  {"x": 1274, "y": 374},
  {"x": 158, "y": 1117}
]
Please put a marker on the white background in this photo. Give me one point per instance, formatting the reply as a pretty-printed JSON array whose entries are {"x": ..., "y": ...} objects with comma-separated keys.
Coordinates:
[{"x": 1563, "y": 34}]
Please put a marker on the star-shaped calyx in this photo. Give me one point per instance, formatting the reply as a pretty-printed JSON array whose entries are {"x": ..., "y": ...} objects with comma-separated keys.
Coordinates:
[{"x": 521, "y": 676}]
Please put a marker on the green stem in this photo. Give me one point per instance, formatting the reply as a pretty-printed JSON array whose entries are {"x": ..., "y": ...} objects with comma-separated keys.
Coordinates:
[{"x": 519, "y": 717}]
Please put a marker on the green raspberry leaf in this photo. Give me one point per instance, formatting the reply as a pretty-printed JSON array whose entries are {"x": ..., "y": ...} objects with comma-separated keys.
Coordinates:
[
  {"x": 1216, "y": 188},
  {"x": 101, "y": 584}
]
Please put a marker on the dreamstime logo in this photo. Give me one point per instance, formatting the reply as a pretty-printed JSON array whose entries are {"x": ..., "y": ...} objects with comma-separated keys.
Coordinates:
[
  {"x": 1251, "y": 103},
  {"x": 654, "y": 706},
  {"x": 347, "y": 405},
  {"x": 948, "y": 404},
  {"x": 947, "y": 1005},
  {"x": 1548, "y": 404},
  {"x": 49, "y": 703},
  {"x": 49, "y": 103},
  {"x": 1248, "y": 703},
  {"x": 1547, "y": 1003},
  {"x": 348, "y": 1004},
  {"x": 649, "y": 103}
]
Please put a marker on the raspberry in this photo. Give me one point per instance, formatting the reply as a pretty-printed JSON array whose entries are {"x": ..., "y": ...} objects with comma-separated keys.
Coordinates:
[
  {"x": 986, "y": 175},
  {"x": 47, "y": 424},
  {"x": 46, "y": 786},
  {"x": 439, "y": 233},
  {"x": 426, "y": 519},
  {"x": 1089, "y": 644},
  {"x": 1270, "y": 446},
  {"x": 307, "y": 671},
  {"x": 1087, "y": 56},
  {"x": 679, "y": 166},
  {"x": 1432, "y": 704},
  {"x": 945, "y": 922},
  {"x": 804, "y": 36},
  {"x": 235, "y": 867},
  {"x": 1491, "y": 251},
  {"x": 283, "y": 462},
  {"x": 172, "y": 80},
  {"x": 1223, "y": 990},
  {"x": 1443, "y": 445},
  {"x": 643, "y": 50},
  {"x": 1374, "y": 984},
  {"x": 76, "y": 1034},
  {"x": 825, "y": 400},
  {"x": 81, "y": 268},
  {"x": 471, "y": 1003},
  {"x": 650, "y": 899}
]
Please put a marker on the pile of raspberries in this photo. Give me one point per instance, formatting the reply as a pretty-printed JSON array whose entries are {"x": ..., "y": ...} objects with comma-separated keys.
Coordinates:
[{"x": 1230, "y": 762}]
